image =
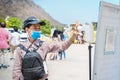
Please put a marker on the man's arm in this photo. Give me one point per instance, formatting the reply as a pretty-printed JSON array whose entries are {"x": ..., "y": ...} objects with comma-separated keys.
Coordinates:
[{"x": 17, "y": 74}]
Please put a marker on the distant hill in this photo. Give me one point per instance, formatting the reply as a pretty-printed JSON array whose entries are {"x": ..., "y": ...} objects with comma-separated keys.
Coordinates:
[{"x": 23, "y": 9}]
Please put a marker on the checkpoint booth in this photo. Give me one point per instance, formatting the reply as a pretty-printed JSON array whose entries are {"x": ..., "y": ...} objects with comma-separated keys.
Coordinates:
[{"x": 106, "y": 64}]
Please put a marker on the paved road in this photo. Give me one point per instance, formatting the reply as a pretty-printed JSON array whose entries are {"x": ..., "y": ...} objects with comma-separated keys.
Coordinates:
[{"x": 74, "y": 67}]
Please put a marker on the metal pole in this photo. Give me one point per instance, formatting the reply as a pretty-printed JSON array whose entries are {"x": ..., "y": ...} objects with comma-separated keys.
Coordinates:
[{"x": 89, "y": 48}]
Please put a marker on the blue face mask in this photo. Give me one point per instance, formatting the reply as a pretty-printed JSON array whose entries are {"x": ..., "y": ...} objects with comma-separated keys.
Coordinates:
[{"x": 35, "y": 35}]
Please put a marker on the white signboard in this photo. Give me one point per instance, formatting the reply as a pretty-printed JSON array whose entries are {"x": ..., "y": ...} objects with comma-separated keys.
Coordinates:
[
  {"x": 89, "y": 33},
  {"x": 107, "y": 52}
]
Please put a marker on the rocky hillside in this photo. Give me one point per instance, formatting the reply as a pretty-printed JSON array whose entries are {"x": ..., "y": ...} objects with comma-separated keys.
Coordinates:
[{"x": 23, "y": 9}]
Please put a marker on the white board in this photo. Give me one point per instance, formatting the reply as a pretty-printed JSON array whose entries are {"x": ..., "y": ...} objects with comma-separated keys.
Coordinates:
[{"x": 107, "y": 52}]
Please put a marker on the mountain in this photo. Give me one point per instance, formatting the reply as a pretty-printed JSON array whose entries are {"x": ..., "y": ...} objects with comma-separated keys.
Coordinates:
[{"x": 24, "y": 9}]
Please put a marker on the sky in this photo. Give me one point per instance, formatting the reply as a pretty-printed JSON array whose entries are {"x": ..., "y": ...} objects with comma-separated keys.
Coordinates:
[{"x": 69, "y": 11}]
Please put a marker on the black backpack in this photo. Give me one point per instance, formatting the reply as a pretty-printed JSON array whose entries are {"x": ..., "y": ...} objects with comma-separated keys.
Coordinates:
[{"x": 32, "y": 64}]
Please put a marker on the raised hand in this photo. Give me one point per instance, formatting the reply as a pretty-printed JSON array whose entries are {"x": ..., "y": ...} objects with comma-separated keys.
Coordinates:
[{"x": 75, "y": 31}]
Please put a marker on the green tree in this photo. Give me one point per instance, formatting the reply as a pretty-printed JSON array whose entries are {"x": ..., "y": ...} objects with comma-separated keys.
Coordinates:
[
  {"x": 95, "y": 25},
  {"x": 46, "y": 29},
  {"x": 14, "y": 21},
  {"x": 2, "y": 20}
]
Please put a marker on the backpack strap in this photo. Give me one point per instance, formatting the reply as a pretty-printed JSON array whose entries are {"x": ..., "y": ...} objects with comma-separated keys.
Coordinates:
[
  {"x": 27, "y": 49},
  {"x": 23, "y": 48},
  {"x": 40, "y": 44}
]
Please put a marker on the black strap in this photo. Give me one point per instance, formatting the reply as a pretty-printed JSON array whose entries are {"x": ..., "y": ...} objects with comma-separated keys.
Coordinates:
[
  {"x": 27, "y": 49},
  {"x": 23, "y": 48},
  {"x": 39, "y": 45}
]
